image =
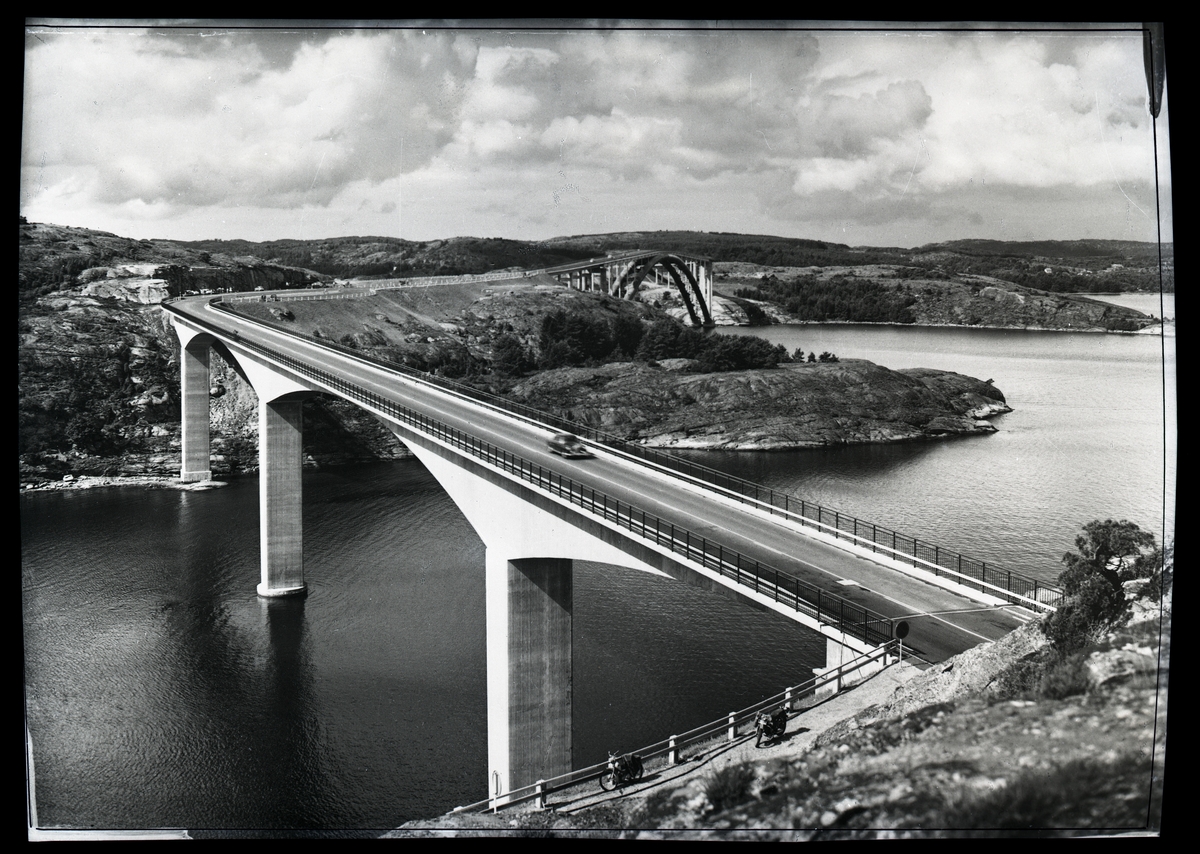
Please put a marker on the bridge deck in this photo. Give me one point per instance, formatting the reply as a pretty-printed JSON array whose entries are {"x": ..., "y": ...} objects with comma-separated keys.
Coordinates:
[{"x": 950, "y": 623}]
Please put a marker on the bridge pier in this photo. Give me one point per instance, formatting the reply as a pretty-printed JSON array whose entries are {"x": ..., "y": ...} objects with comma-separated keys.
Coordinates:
[
  {"x": 530, "y": 604},
  {"x": 194, "y": 384},
  {"x": 280, "y": 501}
]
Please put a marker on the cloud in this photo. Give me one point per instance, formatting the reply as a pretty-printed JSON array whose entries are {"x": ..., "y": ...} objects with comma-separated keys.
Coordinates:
[
  {"x": 849, "y": 127},
  {"x": 508, "y": 131},
  {"x": 223, "y": 125}
]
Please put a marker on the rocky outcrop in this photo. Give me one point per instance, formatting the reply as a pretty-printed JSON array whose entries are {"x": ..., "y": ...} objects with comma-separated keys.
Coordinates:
[
  {"x": 791, "y": 406},
  {"x": 100, "y": 265},
  {"x": 943, "y": 300}
]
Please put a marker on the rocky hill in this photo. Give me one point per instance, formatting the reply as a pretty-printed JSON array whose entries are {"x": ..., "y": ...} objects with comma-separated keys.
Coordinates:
[
  {"x": 98, "y": 376},
  {"x": 101, "y": 265},
  {"x": 664, "y": 404}
]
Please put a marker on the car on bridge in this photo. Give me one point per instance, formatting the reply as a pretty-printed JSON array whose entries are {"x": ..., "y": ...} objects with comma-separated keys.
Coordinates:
[{"x": 568, "y": 445}]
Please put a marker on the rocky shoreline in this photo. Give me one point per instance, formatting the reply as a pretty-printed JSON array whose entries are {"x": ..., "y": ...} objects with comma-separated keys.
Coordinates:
[
  {"x": 663, "y": 405},
  {"x": 71, "y": 482}
]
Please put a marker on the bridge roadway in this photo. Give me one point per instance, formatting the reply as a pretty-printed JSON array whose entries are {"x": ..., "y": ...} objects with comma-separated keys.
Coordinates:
[{"x": 942, "y": 622}]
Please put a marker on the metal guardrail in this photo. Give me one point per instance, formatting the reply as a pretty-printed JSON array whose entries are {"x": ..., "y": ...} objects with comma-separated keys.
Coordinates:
[
  {"x": 729, "y": 728},
  {"x": 1012, "y": 587},
  {"x": 781, "y": 587}
]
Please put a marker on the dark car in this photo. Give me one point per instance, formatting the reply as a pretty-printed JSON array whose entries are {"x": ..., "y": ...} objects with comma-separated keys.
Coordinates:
[{"x": 568, "y": 445}]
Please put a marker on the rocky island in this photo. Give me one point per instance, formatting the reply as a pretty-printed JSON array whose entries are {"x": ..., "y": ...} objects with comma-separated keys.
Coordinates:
[{"x": 791, "y": 406}]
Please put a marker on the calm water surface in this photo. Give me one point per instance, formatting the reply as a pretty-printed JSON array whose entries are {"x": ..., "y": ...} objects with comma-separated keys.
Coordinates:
[{"x": 162, "y": 692}]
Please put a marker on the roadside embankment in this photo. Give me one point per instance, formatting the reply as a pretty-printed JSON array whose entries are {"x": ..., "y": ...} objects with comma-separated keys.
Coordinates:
[{"x": 954, "y": 750}]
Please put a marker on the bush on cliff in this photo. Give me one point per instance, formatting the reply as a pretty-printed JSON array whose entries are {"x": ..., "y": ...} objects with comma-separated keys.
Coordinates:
[{"x": 1109, "y": 554}]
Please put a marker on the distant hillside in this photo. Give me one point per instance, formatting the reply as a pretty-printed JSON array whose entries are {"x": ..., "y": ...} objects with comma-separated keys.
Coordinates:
[
  {"x": 1076, "y": 266},
  {"x": 58, "y": 258},
  {"x": 761, "y": 249},
  {"x": 366, "y": 257},
  {"x": 1117, "y": 249},
  {"x": 1058, "y": 266}
]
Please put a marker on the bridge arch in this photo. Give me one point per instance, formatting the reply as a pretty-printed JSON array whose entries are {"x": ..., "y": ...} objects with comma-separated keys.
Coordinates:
[
  {"x": 690, "y": 290},
  {"x": 619, "y": 275}
]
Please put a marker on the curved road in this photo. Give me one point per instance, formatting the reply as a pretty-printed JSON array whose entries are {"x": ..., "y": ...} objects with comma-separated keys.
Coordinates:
[{"x": 942, "y": 623}]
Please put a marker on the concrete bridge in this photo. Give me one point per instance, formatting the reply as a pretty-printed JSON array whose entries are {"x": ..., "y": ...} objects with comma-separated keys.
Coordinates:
[
  {"x": 620, "y": 275},
  {"x": 536, "y": 513}
]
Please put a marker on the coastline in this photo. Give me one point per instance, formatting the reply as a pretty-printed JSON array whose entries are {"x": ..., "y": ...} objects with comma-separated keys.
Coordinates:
[
  {"x": 1166, "y": 328},
  {"x": 72, "y": 482}
]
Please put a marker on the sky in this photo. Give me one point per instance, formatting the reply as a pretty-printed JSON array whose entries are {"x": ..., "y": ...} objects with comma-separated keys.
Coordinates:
[{"x": 864, "y": 135}]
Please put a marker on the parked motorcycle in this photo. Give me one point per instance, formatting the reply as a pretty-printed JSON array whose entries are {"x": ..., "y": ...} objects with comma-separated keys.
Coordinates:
[
  {"x": 621, "y": 771},
  {"x": 770, "y": 727}
]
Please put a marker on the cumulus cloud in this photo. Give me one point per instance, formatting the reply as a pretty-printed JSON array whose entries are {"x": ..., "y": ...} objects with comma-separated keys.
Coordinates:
[
  {"x": 548, "y": 129},
  {"x": 161, "y": 123},
  {"x": 849, "y": 127}
]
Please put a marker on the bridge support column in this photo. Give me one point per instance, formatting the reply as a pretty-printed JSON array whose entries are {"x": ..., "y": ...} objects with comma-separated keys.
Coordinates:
[
  {"x": 194, "y": 382},
  {"x": 280, "y": 504},
  {"x": 529, "y": 616},
  {"x": 706, "y": 283}
]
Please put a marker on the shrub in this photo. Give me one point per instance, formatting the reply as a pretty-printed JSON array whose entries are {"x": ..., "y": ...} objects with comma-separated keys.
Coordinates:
[
  {"x": 1082, "y": 618},
  {"x": 1080, "y": 793},
  {"x": 729, "y": 786},
  {"x": 1021, "y": 678},
  {"x": 1064, "y": 677}
]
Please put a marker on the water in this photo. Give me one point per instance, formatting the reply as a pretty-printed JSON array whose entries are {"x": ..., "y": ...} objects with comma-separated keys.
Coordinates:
[
  {"x": 162, "y": 692},
  {"x": 1091, "y": 435}
]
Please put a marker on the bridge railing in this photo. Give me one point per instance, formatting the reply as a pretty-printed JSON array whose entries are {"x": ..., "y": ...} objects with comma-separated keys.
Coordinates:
[
  {"x": 1013, "y": 587},
  {"x": 785, "y": 589},
  {"x": 730, "y": 728}
]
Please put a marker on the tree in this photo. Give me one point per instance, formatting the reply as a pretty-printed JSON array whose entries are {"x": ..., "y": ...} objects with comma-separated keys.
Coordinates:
[
  {"x": 1109, "y": 554},
  {"x": 509, "y": 355},
  {"x": 659, "y": 341},
  {"x": 1116, "y": 551},
  {"x": 627, "y": 332}
]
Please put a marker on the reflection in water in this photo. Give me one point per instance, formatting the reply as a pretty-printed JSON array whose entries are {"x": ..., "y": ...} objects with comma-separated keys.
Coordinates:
[{"x": 291, "y": 731}]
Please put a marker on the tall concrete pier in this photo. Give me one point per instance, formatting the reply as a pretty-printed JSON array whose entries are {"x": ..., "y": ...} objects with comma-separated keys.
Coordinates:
[
  {"x": 280, "y": 454},
  {"x": 529, "y": 615},
  {"x": 194, "y": 382},
  {"x": 281, "y": 505}
]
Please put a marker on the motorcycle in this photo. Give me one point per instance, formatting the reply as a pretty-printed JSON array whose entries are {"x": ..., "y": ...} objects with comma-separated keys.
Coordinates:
[
  {"x": 621, "y": 771},
  {"x": 770, "y": 727}
]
